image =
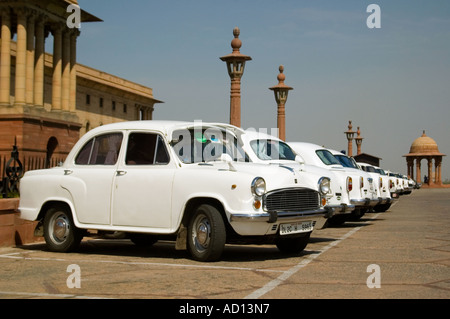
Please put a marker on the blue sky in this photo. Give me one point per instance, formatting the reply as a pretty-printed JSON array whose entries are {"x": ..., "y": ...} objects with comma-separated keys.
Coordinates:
[{"x": 393, "y": 82}]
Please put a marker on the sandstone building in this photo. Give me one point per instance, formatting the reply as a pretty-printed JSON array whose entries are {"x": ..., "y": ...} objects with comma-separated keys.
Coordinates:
[{"x": 47, "y": 101}]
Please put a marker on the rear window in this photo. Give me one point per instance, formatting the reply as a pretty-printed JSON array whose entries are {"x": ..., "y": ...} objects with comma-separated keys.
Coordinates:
[{"x": 327, "y": 157}]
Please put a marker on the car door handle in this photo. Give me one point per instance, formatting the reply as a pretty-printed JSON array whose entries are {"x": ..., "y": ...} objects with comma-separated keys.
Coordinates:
[
  {"x": 68, "y": 172},
  {"x": 121, "y": 173}
]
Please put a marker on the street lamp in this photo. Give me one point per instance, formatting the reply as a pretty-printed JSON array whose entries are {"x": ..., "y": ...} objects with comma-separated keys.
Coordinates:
[
  {"x": 350, "y": 135},
  {"x": 281, "y": 91},
  {"x": 358, "y": 140},
  {"x": 235, "y": 65}
]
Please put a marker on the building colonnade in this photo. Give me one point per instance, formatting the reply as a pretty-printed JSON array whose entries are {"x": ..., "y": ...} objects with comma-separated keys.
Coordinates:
[{"x": 32, "y": 27}]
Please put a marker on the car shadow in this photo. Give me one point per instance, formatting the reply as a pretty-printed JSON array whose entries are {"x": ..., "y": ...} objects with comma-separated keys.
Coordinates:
[{"x": 166, "y": 250}]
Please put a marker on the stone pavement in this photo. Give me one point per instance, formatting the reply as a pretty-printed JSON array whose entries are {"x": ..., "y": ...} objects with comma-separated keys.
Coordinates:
[{"x": 405, "y": 252}]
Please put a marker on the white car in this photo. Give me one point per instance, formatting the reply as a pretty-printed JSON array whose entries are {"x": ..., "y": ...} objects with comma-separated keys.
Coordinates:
[
  {"x": 359, "y": 187},
  {"x": 393, "y": 184},
  {"x": 179, "y": 180},
  {"x": 386, "y": 184},
  {"x": 382, "y": 183},
  {"x": 267, "y": 149}
]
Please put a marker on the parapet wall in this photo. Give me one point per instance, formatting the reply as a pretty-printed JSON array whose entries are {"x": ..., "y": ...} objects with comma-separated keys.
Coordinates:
[{"x": 13, "y": 230}]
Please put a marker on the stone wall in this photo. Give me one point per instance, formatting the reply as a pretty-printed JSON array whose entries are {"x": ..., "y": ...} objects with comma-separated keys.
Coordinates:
[{"x": 13, "y": 230}]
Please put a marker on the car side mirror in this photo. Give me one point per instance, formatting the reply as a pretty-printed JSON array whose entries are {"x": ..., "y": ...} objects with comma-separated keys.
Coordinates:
[{"x": 299, "y": 159}]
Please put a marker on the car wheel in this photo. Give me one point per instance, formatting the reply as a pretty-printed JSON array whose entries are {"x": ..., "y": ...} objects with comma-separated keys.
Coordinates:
[
  {"x": 293, "y": 245},
  {"x": 206, "y": 234},
  {"x": 60, "y": 232}
]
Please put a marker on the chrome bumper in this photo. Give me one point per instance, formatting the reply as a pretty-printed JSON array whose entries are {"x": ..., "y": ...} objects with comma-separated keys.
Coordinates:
[
  {"x": 320, "y": 216},
  {"x": 341, "y": 209},
  {"x": 364, "y": 202}
]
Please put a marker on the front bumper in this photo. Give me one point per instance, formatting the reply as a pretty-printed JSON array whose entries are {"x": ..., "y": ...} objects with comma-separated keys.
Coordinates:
[
  {"x": 341, "y": 209},
  {"x": 364, "y": 202},
  {"x": 319, "y": 216}
]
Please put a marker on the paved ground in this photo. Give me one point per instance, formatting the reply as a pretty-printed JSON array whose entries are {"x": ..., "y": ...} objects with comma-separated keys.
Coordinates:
[{"x": 408, "y": 248}]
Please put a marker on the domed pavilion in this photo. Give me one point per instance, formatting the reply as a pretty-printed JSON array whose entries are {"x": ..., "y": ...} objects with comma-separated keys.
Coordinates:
[{"x": 425, "y": 147}]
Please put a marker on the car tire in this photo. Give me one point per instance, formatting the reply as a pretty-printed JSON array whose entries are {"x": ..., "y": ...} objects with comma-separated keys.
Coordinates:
[
  {"x": 206, "y": 234},
  {"x": 293, "y": 245},
  {"x": 60, "y": 232}
]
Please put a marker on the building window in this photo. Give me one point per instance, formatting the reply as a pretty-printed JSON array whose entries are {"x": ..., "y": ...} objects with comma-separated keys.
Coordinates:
[
  {"x": 124, "y": 108},
  {"x": 113, "y": 105},
  {"x": 101, "y": 102},
  {"x": 88, "y": 99}
]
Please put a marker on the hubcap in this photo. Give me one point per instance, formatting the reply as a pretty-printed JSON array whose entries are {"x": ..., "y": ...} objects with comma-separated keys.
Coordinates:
[
  {"x": 60, "y": 228},
  {"x": 202, "y": 233}
]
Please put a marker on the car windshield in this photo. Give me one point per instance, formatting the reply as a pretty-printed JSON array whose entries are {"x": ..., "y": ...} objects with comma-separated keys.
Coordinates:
[
  {"x": 346, "y": 161},
  {"x": 272, "y": 150},
  {"x": 369, "y": 169},
  {"x": 327, "y": 158},
  {"x": 198, "y": 145}
]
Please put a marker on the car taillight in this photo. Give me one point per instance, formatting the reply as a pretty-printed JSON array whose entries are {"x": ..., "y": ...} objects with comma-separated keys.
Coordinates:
[
  {"x": 381, "y": 182},
  {"x": 349, "y": 184},
  {"x": 361, "y": 182}
]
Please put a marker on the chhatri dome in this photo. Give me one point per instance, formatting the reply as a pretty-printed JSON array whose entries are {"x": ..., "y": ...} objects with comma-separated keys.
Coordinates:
[{"x": 424, "y": 146}]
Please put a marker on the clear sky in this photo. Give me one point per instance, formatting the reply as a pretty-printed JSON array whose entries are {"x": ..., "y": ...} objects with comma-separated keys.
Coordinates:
[{"x": 393, "y": 81}]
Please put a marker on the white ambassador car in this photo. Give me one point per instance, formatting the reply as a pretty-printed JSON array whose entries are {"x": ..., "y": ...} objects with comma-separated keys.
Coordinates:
[
  {"x": 267, "y": 149},
  {"x": 359, "y": 186},
  {"x": 161, "y": 179},
  {"x": 382, "y": 183}
]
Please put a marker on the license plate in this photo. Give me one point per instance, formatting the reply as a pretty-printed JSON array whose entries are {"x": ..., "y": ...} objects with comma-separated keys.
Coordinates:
[{"x": 295, "y": 228}]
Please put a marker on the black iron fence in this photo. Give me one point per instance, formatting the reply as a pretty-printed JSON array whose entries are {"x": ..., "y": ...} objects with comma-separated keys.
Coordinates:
[{"x": 12, "y": 170}]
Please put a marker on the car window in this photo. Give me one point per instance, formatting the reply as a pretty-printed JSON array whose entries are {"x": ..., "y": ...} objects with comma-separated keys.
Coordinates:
[
  {"x": 327, "y": 157},
  {"x": 204, "y": 145},
  {"x": 346, "y": 161},
  {"x": 100, "y": 150},
  {"x": 146, "y": 149},
  {"x": 272, "y": 150}
]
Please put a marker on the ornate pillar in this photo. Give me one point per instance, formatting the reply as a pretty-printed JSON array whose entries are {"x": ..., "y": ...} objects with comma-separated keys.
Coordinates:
[
  {"x": 350, "y": 133},
  {"x": 281, "y": 91},
  {"x": 29, "y": 94},
  {"x": 21, "y": 57},
  {"x": 39, "y": 62},
  {"x": 65, "y": 88},
  {"x": 57, "y": 66},
  {"x": 5, "y": 56}
]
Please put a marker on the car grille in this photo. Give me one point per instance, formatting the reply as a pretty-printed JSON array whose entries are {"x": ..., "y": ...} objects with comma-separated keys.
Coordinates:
[{"x": 297, "y": 199}]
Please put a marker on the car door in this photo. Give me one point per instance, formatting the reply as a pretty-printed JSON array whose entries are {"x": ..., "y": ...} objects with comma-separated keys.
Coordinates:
[
  {"x": 142, "y": 194},
  {"x": 89, "y": 180}
]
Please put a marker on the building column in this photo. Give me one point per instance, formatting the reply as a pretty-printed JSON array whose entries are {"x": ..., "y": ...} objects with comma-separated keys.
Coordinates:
[
  {"x": 57, "y": 66},
  {"x": 21, "y": 58},
  {"x": 418, "y": 173},
  {"x": 437, "y": 170},
  {"x": 30, "y": 60},
  {"x": 65, "y": 83},
  {"x": 5, "y": 56},
  {"x": 430, "y": 170},
  {"x": 73, "y": 71},
  {"x": 39, "y": 63}
]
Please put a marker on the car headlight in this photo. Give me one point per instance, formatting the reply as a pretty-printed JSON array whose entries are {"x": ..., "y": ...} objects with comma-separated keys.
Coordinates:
[
  {"x": 258, "y": 186},
  {"x": 324, "y": 185}
]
